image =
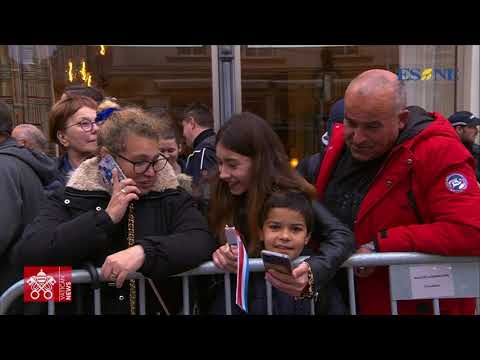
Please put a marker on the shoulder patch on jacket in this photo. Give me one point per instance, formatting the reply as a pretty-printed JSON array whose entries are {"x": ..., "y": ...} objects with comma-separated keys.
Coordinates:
[{"x": 456, "y": 182}]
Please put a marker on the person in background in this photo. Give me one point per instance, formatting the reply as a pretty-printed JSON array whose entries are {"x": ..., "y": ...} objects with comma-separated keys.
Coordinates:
[
  {"x": 170, "y": 147},
  {"x": 73, "y": 127},
  {"x": 309, "y": 166},
  {"x": 23, "y": 175},
  {"x": 198, "y": 131},
  {"x": 466, "y": 125},
  {"x": 201, "y": 164},
  {"x": 31, "y": 137},
  {"x": 80, "y": 90}
]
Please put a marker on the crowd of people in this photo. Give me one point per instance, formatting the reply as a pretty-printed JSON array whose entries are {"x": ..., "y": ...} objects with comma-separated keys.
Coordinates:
[{"x": 389, "y": 178}]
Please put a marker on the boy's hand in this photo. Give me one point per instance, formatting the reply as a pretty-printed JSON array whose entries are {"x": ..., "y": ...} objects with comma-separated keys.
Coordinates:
[
  {"x": 290, "y": 284},
  {"x": 225, "y": 258}
]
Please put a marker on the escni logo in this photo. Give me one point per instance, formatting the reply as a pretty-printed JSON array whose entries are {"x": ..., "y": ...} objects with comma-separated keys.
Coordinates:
[{"x": 427, "y": 74}]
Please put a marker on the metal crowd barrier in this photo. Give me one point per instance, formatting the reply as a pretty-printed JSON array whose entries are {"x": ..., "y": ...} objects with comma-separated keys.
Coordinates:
[{"x": 465, "y": 275}]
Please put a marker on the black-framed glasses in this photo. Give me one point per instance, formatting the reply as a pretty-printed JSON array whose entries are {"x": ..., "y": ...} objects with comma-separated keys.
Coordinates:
[
  {"x": 141, "y": 167},
  {"x": 86, "y": 125}
]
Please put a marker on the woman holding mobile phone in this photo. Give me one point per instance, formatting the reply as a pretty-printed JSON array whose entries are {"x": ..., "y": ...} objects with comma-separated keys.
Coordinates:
[
  {"x": 252, "y": 165},
  {"x": 143, "y": 223}
]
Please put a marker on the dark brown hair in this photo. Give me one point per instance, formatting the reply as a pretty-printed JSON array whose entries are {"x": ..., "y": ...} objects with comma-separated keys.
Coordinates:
[
  {"x": 292, "y": 200},
  {"x": 88, "y": 91},
  {"x": 249, "y": 135},
  {"x": 63, "y": 110},
  {"x": 201, "y": 114}
]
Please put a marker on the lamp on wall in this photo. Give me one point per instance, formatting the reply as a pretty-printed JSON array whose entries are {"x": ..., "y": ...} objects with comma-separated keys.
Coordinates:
[{"x": 85, "y": 75}]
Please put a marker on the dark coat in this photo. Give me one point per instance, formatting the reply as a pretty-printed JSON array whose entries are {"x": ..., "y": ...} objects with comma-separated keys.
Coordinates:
[
  {"x": 203, "y": 156},
  {"x": 73, "y": 228},
  {"x": 23, "y": 174},
  {"x": 64, "y": 170},
  {"x": 282, "y": 304},
  {"x": 328, "y": 303}
]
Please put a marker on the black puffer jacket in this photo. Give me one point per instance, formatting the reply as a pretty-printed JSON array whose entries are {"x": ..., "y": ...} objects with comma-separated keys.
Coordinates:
[{"x": 73, "y": 228}]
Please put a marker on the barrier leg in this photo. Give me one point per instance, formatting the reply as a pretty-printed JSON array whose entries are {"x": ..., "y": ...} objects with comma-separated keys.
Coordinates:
[
  {"x": 478, "y": 307},
  {"x": 141, "y": 300},
  {"x": 269, "y": 298},
  {"x": 436, "y": 307},
  {"x": 51, "y": 308},
  {"x": 393, "y": 305},
  {"x": 97, "y": 302},
  {"x": 228, "y": 298},
  {"x": 351, "y": 291},
  {"x": 186, "y": 296}
]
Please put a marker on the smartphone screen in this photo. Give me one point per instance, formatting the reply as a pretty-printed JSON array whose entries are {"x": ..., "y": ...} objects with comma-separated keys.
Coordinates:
[
  {"x": 106, "y": 165},
  {"x": 231, "y": 235},
  {"x": 276, "y": 261}
]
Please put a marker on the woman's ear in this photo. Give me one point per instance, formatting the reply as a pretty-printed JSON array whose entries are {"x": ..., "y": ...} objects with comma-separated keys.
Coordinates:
[{"x": 62, "y": 138}]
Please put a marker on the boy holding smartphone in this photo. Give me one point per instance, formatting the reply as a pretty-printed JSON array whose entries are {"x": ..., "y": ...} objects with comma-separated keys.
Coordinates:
[{"x": 286, "y": 225}]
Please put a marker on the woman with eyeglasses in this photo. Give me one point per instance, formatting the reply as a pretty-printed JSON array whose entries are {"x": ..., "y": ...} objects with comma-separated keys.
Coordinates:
[
  {"x": 72, "y": 127},
  {"x": 139, "y": 221}
]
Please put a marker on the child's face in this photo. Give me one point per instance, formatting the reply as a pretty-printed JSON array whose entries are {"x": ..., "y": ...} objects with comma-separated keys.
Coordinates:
[
  {"x": 170, "y": 149},
  {"x": 284, "y": 231}
]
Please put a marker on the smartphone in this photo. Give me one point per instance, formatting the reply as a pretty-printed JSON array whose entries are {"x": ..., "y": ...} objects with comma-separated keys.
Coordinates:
[
  {"x": 277, "y": 261},
  {"x": 105, "y": 166},
  {"x": 231, "y": 235}
]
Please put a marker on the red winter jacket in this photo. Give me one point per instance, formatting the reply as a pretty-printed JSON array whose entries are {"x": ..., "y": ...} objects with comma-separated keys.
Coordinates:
[{"x": 451, "y": 220}]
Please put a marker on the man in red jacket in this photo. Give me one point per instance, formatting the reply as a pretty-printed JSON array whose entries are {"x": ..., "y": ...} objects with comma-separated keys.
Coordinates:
[{"x": 403, "y": 183}]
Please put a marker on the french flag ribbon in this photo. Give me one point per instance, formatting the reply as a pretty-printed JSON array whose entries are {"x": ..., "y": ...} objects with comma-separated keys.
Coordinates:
[{"x": 242, "y": 276}]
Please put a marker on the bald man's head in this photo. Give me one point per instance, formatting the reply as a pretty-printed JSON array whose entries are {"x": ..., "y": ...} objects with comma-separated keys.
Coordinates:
[
  {"x": 379, "y": 84},
  {"x": 375, "y": 113},
  {"x": 30, "y": 136}
]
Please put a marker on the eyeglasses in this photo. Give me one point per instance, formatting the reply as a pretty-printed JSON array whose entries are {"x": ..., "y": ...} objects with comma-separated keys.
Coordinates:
[
  {"x": 141, "y": 167},
  {"x": 86, "y": 125}
]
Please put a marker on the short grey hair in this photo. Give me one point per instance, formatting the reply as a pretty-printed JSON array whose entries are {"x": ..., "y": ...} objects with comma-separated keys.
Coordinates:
[{"x": 33, "y": 135}]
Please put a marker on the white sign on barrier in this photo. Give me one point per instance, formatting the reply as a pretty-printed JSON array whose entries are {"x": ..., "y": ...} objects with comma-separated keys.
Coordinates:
[{"x": 431, "y": 281}]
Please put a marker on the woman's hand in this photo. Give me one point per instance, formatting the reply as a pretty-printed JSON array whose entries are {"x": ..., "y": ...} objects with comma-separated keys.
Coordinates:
[
  {"x": 290, "y": 284},
  {"x": 123, "y": 193},
  {"x": 117, "y": 266},
  {"x": 225, "y": 258}
]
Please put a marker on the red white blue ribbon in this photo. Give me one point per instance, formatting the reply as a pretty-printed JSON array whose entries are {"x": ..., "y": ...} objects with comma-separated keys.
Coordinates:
[{"x": 242, "y": 276}]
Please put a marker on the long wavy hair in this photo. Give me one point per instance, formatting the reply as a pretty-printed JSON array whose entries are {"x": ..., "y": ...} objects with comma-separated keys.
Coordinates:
[{"x": 249, "y": 135}]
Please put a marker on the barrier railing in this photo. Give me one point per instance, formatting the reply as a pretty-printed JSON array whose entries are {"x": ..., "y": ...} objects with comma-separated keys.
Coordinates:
[{"x": 464, "y": 271}]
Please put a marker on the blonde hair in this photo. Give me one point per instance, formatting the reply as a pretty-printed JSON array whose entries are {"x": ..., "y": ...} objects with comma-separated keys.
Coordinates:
[
  {"x": 126, "y": 121},
  {"x": 107, "y": 103}
]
